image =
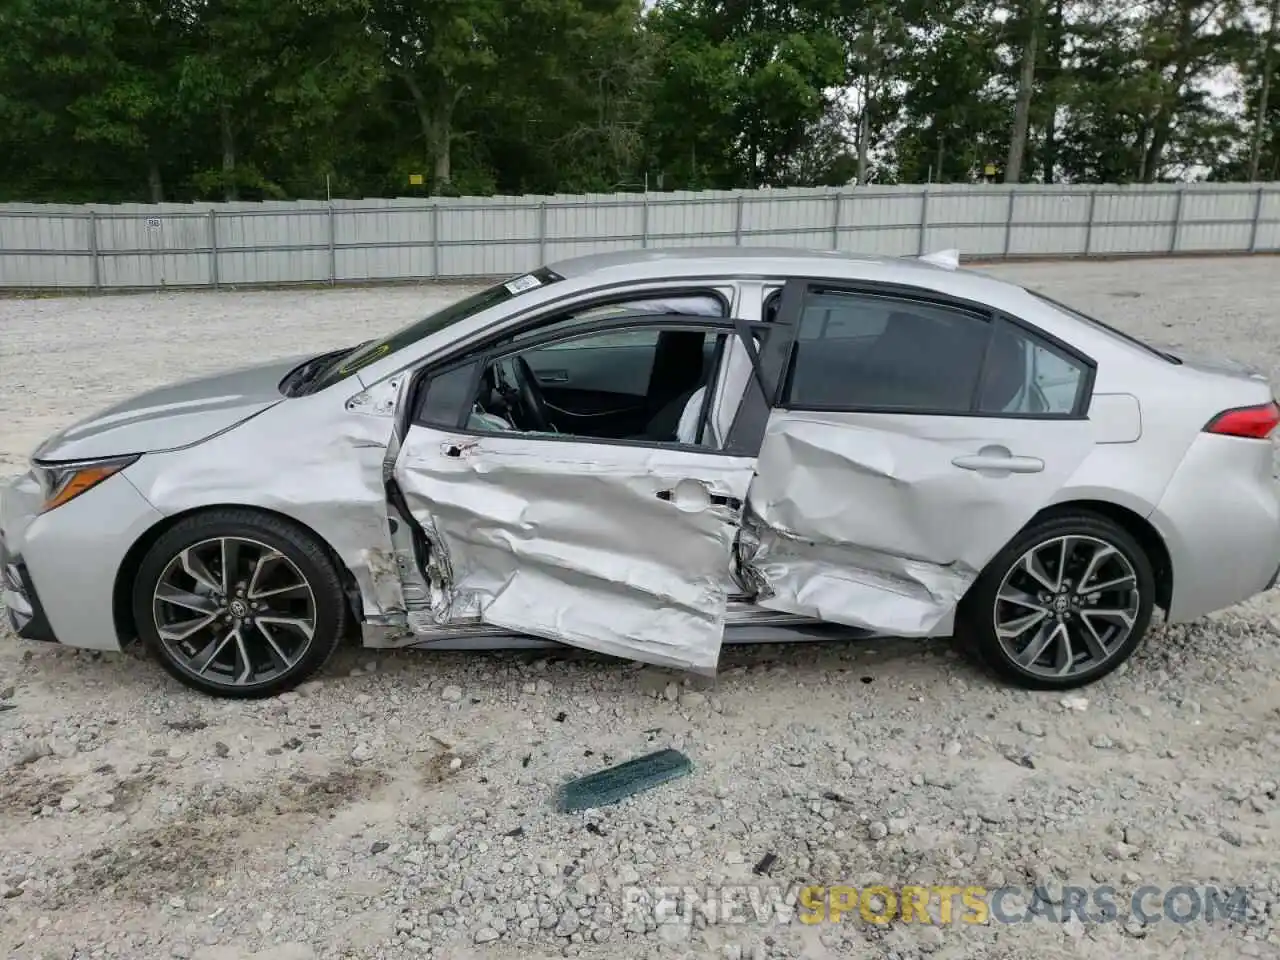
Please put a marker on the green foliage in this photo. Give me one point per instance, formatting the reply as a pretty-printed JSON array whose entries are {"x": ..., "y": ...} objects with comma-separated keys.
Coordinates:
[{"x": 113, "y": 100}]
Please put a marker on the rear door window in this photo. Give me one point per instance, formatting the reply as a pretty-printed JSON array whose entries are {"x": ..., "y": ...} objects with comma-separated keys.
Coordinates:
[{"x": 865, "y": 351}]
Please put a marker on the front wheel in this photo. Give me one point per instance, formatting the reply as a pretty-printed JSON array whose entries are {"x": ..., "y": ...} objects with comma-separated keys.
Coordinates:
[
  {"x": 239, "y": 604},
  {"x": 1064, "y": 604}
]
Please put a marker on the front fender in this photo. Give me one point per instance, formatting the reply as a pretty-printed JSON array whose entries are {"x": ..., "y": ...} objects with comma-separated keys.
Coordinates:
[{"x": 318, "y": 460}]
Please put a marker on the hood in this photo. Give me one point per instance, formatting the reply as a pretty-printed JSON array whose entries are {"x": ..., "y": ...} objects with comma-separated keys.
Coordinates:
[{"x": 176, "y": 415}]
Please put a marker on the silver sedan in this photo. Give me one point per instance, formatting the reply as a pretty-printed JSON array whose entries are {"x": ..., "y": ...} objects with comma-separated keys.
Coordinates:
[{"x": 650, "y": 454}]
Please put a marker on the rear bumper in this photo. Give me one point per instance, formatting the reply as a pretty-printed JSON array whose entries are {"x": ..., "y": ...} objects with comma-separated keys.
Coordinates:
[{"x": 1220, "y": 519}]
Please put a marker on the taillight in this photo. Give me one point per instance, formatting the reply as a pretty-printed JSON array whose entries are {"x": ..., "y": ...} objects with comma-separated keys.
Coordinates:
[{"x": 1255, "y": 423}]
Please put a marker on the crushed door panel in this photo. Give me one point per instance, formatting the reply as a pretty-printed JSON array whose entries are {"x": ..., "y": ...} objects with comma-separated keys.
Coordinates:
[
  {"x": 623, "y": 550},
  {"x": 882, "y": 521}
]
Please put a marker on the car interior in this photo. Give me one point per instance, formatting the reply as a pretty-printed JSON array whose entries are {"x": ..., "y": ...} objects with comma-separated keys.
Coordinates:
[{"x": 614, "y": 384}]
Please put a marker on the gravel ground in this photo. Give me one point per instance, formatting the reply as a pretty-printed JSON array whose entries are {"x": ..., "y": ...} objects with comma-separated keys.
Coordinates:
[{"x": 401, "y": 805}]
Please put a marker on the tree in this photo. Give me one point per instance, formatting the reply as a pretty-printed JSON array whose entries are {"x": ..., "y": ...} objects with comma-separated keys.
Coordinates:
[
  {"x": 262, "y": 72},
  {"x": 1026, "y": 87},
  {"x": 744, "y": 84},
  {"x": 568, "y": 108},
  {"x": 1184, "y": 40},
  {"x": 874, "y": 35},
  {"x": 113, "y": 100},
  {"x": 96, "y": 77},
  {"x": 954, "y": 121},
  {"x": 441, "y": 50},
  {"x": 1268, "y": 61}
]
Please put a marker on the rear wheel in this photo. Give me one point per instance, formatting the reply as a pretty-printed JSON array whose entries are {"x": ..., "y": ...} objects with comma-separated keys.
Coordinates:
[
  {"x": 1064, "y": 604},
  {"x": 239, "y": 604}
]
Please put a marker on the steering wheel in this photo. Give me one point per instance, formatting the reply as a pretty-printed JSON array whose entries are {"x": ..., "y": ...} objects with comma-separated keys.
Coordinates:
[{"x": 532, "y": 404}]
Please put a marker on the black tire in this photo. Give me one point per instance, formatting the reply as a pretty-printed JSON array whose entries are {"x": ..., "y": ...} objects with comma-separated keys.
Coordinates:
[
  {"x": 978, "y": 610},
  {"x": 305, "y": 556}
]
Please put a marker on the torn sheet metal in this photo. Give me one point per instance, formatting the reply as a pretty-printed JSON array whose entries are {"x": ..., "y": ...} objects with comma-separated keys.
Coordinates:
[
  {"x": 323, "y": 471},
  {"x": 867, "y": 520},
  {"x": 621, "y": 550},
  {"x": 839, "y": 583}
]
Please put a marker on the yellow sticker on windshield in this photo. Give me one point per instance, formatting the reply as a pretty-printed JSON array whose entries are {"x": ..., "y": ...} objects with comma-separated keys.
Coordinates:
[{"x": 381, "y": 350}]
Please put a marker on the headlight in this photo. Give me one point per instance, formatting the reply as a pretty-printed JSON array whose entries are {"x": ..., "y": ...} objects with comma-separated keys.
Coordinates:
[{"x": 62, "y": 482}]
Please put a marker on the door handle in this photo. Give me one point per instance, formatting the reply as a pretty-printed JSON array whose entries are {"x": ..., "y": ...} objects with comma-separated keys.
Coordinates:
[
  {"x": 552, "y": 376},
  {"x": 998, "y": 463},
  {"x": 690, "y": 496}
]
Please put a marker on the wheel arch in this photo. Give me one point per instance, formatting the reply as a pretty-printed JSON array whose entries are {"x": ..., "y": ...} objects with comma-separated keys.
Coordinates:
[
  {"x": 1133, "y": 523},
  {"x": 121, "y": 602}
]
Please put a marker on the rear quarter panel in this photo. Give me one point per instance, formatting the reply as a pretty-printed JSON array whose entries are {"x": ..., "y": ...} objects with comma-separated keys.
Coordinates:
[
  {"x": 1211, "y": 499},
  {"x": 1220, "y": 518}
]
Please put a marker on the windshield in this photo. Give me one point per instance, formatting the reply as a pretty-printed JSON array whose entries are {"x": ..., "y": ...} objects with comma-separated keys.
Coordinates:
[
  {"x": 1095, "y": 322},
  {"x": 348, "y": 362}
]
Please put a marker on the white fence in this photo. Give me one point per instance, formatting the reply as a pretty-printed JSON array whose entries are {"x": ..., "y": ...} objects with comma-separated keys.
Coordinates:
[{"x": 146, "y": 246}]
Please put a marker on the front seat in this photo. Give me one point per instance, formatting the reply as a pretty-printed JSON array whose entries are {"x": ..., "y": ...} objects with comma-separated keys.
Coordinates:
[
  {"x": 687, "y": 430},
  {"x": 664, "y": 425}
]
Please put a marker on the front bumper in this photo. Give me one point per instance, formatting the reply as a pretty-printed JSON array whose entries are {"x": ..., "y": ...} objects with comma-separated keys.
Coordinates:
[
  {"x": 60, "y": 568},
  {"x": 21, "y": 602},
  {"x": 20, "y": 500}
]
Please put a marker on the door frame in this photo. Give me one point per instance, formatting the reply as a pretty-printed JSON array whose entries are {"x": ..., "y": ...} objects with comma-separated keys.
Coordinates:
[
  {"x": 744, "y": 437},
  {"x": 740, "y": 449},
  {"x": 530, "y": 318},
  {"x": 783, "y": 351}
]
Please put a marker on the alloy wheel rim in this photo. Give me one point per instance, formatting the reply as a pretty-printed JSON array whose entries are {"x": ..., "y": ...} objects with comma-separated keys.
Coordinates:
[
  {"x": 1066, "y": 606},
  {"x": 234, "y": 611}
]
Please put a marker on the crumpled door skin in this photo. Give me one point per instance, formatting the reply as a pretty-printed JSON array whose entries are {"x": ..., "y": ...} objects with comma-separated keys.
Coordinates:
[
  {"x": 862, "y": 519},
  {"x": 570, "y": 541}
]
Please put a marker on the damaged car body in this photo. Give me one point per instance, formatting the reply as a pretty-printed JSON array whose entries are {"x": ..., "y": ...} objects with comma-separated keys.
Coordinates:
[{"x": 650, "y": 454}]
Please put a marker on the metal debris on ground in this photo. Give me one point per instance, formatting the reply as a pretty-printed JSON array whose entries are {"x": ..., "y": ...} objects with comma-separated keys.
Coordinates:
[
  {"x": 626, "y": 779},
  {"x": 765, "y": 865},
  {"x": 1021, "y": 759}
]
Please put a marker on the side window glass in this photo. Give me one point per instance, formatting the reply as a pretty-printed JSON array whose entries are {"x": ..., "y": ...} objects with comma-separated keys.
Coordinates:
[
  {"x": 676, "y": 304},
  {"x": 1025, "y": 375},
  {"x": 861, "y": 351},
  {"x": 645, "y": 385},
  {"x": 446, "y": 397},
  {"x": 620, "y": 338}
]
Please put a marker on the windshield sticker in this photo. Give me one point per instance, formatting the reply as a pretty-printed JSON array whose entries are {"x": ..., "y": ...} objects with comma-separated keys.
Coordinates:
[
  {"x": 351, "y": 366},
  {"x": 521, "y": 284}
]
